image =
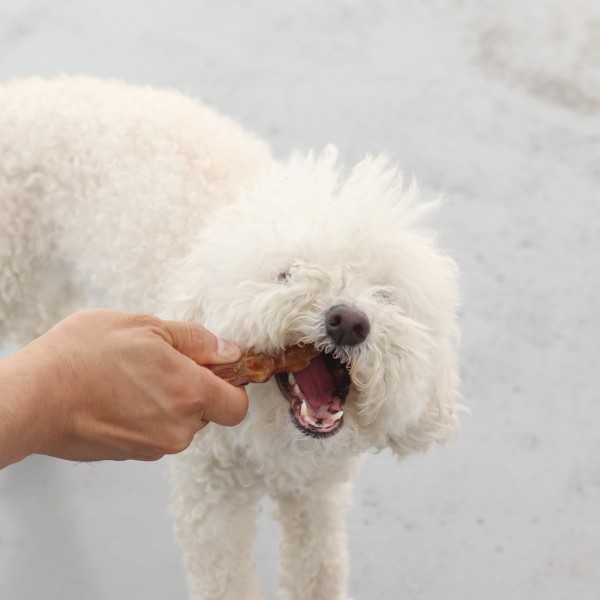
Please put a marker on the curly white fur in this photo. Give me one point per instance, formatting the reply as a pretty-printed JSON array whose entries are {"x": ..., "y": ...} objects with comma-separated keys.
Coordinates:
[{"x": 154, "y": 202}]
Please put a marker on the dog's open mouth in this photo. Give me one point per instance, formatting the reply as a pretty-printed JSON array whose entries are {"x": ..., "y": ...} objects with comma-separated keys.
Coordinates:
[{"x": 317, "y": 395}]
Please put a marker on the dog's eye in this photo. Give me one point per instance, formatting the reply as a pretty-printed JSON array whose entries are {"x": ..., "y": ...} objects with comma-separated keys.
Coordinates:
[{"x": 385, "y": 295}]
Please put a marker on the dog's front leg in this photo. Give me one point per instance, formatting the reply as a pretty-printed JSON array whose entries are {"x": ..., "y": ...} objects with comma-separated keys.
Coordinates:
[
  {"x": 313, "y": 548},
  {"x": 215, "y": 521}
]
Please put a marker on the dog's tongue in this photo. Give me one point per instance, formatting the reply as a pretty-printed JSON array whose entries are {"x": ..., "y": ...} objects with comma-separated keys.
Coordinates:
[{"x": 317, "y": 384}]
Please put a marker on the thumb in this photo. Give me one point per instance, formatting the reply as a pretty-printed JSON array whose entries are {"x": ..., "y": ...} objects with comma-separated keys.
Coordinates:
[{"x": 199, "y": 344}]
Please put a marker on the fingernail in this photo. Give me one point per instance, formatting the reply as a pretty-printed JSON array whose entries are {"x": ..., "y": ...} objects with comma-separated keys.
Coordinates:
[{"x": 228, "y": 350}]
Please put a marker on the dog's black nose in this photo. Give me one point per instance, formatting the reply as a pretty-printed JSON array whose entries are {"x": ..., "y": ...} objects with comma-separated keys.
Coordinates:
[{"x": 346, "y": 325}]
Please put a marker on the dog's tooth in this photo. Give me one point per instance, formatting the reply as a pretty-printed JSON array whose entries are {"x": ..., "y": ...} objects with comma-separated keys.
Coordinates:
[
  {"x": 303, "y": 410},
  {"x": 338, "y": 415},
  {"x": 297, "y": 390},
  {"x": 291, "y": 379}
]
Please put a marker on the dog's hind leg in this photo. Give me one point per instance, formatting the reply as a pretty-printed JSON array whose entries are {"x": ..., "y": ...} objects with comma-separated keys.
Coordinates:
[
  {"x": 313, "y": 548},
  {"x": 215, "y": 521}
]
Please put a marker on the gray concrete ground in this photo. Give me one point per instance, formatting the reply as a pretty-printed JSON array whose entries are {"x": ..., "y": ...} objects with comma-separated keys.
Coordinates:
[{"x": 497, "y": 104}]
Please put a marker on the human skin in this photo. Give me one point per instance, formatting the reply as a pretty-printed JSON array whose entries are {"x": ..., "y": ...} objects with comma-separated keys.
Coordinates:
[{"x": 109, "y": 385}]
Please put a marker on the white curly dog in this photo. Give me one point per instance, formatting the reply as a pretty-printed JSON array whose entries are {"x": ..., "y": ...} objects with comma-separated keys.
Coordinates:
[{"x": 150, "y": 201}]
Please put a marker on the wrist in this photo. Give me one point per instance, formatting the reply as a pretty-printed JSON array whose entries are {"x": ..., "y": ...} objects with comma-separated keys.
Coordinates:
[{"x": 27, "y": 419}]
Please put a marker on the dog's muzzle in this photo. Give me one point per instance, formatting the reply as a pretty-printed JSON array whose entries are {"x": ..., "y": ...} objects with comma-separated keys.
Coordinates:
[{"x": 317, "y": 394}]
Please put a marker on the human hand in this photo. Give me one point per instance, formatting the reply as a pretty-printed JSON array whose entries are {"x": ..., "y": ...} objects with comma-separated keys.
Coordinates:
[{"x": 113, "y": 385}]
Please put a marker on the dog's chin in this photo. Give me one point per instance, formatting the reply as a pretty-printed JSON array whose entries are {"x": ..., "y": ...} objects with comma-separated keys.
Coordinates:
[{"x": 317, "y": 395}]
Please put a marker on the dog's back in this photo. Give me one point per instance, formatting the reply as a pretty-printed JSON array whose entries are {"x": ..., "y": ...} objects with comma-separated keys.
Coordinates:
[{"x": 100, "y": 180}]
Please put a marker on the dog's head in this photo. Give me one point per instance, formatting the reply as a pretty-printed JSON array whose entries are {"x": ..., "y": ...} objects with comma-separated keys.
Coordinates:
[{"x": 338, "y": 261}]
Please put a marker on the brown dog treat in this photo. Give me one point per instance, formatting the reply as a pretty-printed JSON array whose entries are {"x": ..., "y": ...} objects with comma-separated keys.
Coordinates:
[{"x": 258, "y": 367}]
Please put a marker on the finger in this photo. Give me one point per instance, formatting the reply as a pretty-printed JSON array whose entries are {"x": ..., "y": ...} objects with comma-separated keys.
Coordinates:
[
  {"x": 199, "y": 344},
  {"x": 224, "y": 404}
]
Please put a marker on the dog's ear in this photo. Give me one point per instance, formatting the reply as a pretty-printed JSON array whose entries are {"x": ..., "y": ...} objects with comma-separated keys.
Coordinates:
[{"x": 438, "y": 420}]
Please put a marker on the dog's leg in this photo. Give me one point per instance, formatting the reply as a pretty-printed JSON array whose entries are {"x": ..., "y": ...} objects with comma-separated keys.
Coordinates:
[
  {"x": 215, "y": 521},
  {"x": 313, "y": 548}
]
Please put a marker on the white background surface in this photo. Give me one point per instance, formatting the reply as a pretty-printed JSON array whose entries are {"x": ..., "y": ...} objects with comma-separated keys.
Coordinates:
[{"x": 497, "y": 104}]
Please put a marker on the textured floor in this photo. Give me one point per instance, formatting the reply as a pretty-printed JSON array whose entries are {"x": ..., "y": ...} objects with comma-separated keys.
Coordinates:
[{"x": 497, "y": 104}]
